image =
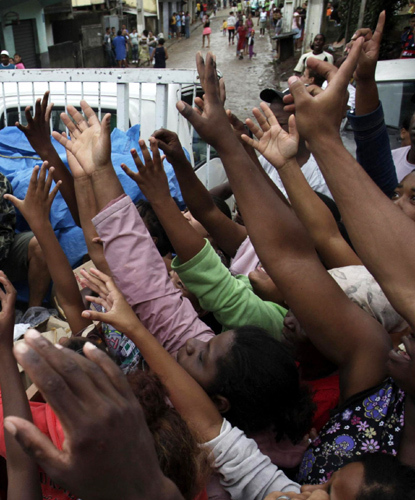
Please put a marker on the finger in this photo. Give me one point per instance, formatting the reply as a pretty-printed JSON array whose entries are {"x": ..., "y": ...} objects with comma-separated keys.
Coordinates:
[
  {"x": 42, "y": 177},
  {"x": 54, "y": 191},
  {"x": 95, "y": 315},
  {"x": 49, "y": 179},
  {"x": 222, "y": 90},
  {"x": 200, "y": 66},
  {"x": 48, "y": 112},
  {"x": 115, "y": 375},
  {"x": 377, "y": 35},
  {"x": 54, "y": 388},
  {"x": 44, "y": 105},
  {"x": 132, "y": 175},
  {"x": 298, "y": 90},
  {"x": 211, "y": 76},
  {"x": 70, "y": 125},
  {"x": 89, "y": 113},
  {"x": 164, "y": 147},
  {"x": 269, "y": 115},
  {"x": 156, "y": 154},
  {"x": 106, "y": 126},
  {"x": 260, "y": 118},
  {"x": 324, "y": 69},
  {"x": 66, "y": 143},
  {"x": 189, "y": 113},
  {"x": 36, "y": 444},
  {"x": 33, "y": 180},
  {"x": 249, "y": 141},
  {"x": 38, "y": 108},
  {"x": 146, "y": 154},
  {"x": 362, "y": 32},
  {"x": 292, "y": 127},
  {"x": 28, "y": 115},
  {"x": 4, "y": 280},
  {"x": 200, "y": 103},
  {"x": 343, "y": 75},
  {"x": 257, "y": 131},
  {"x": 137, "y": 160},
  {"x": 94, "y": 283},
  {"x": 16, "y": 202},
  {"x": 79, "y": 119}
]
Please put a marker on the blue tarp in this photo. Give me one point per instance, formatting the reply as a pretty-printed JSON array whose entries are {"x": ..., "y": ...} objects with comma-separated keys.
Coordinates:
[{"x": 17, "y": 160}]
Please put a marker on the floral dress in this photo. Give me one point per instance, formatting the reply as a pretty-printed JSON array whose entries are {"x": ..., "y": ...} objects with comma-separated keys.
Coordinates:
[{"x": 368, "y": 422}]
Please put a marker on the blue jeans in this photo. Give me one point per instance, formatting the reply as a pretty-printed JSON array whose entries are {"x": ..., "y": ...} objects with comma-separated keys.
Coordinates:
[{"x": 134, "y": 49}]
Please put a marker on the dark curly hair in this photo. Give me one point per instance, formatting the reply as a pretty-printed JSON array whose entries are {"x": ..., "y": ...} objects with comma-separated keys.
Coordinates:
[
  {"x": 260, "y": 379},
  {"x": 154, "y": 227}
]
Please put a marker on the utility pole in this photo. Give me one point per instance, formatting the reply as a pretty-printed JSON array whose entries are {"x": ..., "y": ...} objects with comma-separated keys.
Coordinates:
[
  {"x": 140, "y": 17},
  {"x": 361, "y": 14}
]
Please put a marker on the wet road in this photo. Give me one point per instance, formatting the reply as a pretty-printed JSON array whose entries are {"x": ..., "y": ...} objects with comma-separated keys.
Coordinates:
[{"x": 244, "y": 78}]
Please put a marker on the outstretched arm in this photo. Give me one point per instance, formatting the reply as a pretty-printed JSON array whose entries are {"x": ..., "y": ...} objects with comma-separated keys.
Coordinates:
[
  {"x": 344, "y": 333},
  {"x": 37, "y": 132},
  {"x": 227, "y": 234},
  {"x": 381, "y": 233},
  {"x": 35, "y": 209},
  {"x": 310, "y": 209},
  {"x": 22, "y": 471}
]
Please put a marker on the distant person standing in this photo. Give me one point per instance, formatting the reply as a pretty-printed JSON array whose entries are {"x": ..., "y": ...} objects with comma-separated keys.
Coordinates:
[
  {"x": 296, "y": 28},
  {"x": 317, "y": 52},
  {"x": 18, "y": 62},
  {"x": 160, "y": 55},
  {"x": 262, "y": 21},
  {"x": 107, "y": 43},
  {"x": 134, "y": 46},
  {"x": 231, "y": 22},
  {"x": 187, "y": 25},
  {"x": 119, "y": 43},
  {"x": 206, "y": 32},
  {"x": 5, "y": 60}
]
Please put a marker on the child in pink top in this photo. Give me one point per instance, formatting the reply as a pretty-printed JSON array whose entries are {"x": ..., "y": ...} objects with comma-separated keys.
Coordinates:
[{"x": 18, "y": 62}]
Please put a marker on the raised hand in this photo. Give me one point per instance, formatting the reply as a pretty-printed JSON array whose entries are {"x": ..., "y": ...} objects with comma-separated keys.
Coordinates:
[
  {"x": 90, "y": 140},
  {"x": 366, "y": 65},
  {"x": 169, "y": 143},
  {"x": 151, "y": 177},
  {"x": 211, "y": 123},
  {"x": 276, "y": 145},
  {"x": 118, "y": 312},
  {"x": 7, "y": 300},
  {"x": 37, "y": 129},
  {"x": 108, "y": 450},
  {"x": 319, "y": 117},
  {"x": 35, "y": 207}
]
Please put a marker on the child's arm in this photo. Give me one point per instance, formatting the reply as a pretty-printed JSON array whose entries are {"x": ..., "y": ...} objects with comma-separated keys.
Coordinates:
[
  {"x": 35, "y": 209},
  {"x": 311, "y": 211},
  {"x": 22, "y": 471},
  {"x": 37, "y": 132},
  {"x": 227, "y": 234},
  {"x": 166, "y": 54}
]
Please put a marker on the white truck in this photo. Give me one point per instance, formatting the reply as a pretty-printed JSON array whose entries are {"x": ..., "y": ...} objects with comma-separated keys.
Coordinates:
[{"x": 133, "y": 96}]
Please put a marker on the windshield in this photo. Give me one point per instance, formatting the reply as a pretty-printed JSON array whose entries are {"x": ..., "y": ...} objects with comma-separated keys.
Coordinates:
[{"x": 398, "y": 101}]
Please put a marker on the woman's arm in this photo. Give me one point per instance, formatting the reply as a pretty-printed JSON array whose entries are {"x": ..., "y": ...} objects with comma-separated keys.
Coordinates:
[
  {"x": 227, "y": 234},
  {"x": 35, "y": 209},
  {"x": 37, "y": 132},
  {"x": 22, "y": 471},
  {"x": 310, "y": 209}
]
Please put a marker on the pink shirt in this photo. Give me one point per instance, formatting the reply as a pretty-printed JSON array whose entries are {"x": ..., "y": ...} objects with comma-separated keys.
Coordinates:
[
  {"x": 245, "y": 260},
  {"x": 141, "y": 275}
]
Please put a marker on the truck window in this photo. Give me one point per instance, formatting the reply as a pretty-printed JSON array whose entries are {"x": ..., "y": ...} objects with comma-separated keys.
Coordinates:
[{"x": 398, "y": 101}]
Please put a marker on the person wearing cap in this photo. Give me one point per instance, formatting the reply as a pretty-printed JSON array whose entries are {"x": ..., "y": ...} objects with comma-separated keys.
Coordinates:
[
  {"x": 306, "y": 161},
  {"x": 317, "y": 52},
  {"x": 5, "y": 60}
]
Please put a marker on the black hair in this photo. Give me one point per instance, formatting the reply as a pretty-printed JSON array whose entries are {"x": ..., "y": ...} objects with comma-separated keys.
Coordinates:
[
  {"x": 145, "y": 32},
  {"x": 119, "y": 33},
  {"x": 321, "y": 34},
  {"x": 318, "y": 79},
  {"x": 386, "y": 478},
  {"x": 260, "y": 379},
  {"x": 411, "y": 16},
  {"x": 161, "y": 41},
  {"x": 222, "y": 205},
  {"x": 154, "y": 227}
]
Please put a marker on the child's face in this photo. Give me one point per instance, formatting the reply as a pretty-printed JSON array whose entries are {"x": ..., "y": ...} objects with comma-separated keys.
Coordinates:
[{"x": 17, "y": 58}]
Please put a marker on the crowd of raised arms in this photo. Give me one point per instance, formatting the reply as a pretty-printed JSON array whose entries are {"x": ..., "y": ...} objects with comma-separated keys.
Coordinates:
[{"x": 272, "y": 357}]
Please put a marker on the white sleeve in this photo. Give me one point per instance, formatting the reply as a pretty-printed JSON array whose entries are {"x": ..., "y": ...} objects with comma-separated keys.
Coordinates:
[
  {"x": 300, "y": 65},
  {"x": 244, "y": 471}
]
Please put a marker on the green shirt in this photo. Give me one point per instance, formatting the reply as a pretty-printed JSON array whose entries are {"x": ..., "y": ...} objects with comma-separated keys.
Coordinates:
[{"x": 230, "y": 299}]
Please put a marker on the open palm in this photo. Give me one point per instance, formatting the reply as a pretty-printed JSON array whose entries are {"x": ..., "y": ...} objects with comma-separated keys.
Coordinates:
[
  {"x": 273, "y": 142},
  {"x": 90, "y": 140}
]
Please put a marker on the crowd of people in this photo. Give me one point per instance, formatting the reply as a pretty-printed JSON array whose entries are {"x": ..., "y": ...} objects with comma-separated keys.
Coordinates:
[
  {"x": 123, "y": 48},
  {"x": 265, "y": 358},
  {"x": 7, "y": 62}
]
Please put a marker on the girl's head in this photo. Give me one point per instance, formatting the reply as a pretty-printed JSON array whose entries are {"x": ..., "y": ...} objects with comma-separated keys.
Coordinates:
[
  {"x": 253, "y": 380},
  {"x": 377, "y": 476},
  {"x": 17, "y": 59},
  {"x": 179, "y": 456},
  {"x": 404, "y": 195}
]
